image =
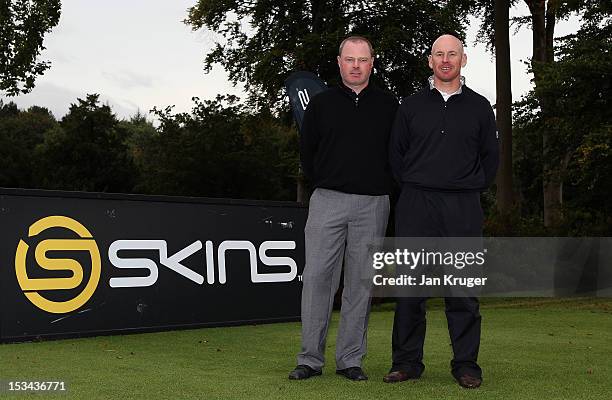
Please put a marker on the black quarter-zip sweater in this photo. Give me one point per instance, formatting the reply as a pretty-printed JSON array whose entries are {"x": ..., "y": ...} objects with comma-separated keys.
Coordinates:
[
  {"x": 344, "y": 140},
  {"x": 443, "y": 146}
]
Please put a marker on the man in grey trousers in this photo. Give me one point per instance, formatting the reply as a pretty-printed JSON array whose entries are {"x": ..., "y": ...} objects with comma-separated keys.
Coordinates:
[{"x": 343, "y": 150}]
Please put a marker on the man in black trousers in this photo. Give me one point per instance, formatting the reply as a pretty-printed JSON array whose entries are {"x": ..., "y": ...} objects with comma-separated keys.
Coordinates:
[{"x": 443, "y": 152}]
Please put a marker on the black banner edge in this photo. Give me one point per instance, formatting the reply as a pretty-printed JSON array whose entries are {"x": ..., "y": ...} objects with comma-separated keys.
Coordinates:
[
  {"x": 146, "y": 197},
  {"x": 149, "y": 329}
]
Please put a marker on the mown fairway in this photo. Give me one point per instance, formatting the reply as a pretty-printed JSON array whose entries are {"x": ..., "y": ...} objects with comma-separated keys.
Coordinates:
[{"x": 531, "y": 349}]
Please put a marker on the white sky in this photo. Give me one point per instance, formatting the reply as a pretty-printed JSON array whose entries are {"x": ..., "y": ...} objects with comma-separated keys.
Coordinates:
[{"x": 138, "y": 54}]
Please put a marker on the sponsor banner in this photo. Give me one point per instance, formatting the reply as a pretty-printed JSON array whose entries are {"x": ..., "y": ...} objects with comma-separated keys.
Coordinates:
[
  {"x": 494, "y": 267},
  {"x": 79, "y": 264}
]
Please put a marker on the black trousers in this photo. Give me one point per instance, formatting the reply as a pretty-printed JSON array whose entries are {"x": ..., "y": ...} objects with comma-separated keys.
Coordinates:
[{"x": 421, "y": 213}]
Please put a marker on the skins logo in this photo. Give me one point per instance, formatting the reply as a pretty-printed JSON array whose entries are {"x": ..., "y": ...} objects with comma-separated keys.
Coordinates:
[
  {"x": 32, "y": 286},
  {"x": 174, "y": 262}
]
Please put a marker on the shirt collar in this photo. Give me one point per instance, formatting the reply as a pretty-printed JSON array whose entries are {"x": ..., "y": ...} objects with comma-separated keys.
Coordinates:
[
  {"x": 432, "y": 86},
  {"x": 352, "y": 93}
]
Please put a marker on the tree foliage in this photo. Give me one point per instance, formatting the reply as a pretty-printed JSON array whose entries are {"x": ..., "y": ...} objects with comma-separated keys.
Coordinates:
[
  {"x": 579, "y": 85},
  {"x": 23, "y": 25},
  {"x": 541, "y": 20},
  {"x": 219, "y": 150},
  {"x": 20, "y": 133},
  {"x": 87, "y": 151},
  {"x": 262, "y": 41}
]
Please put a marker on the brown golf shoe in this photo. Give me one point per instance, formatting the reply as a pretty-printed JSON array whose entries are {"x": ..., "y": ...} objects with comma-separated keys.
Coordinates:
[
  {"x": 469, "y": 382},
  {"x": 398, "y": 376}
]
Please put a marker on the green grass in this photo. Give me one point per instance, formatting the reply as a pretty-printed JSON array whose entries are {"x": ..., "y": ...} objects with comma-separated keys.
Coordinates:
[{"x": 531, "y": 349}]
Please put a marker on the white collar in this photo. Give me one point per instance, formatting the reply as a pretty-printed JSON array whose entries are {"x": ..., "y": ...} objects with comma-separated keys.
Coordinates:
[{"x": 444, "y": 94}]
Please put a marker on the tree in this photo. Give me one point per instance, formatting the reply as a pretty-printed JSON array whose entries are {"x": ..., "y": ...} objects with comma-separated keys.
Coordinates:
[
  {"x": 195, "y": 154},
  {"x": 219, "y": 149},
  {"x": 23, "y": 25},
  {"x": 577, "y": 86},
  {"x": 503, "y": 105},
  {"x": 494, "y": 32},
  {"x": 543, "y": 18},
  {"x": 88, "y": 151},
  {"x": 20, "y": 133},
  {"x": 262, "y": 42},
  {"x": 139, "y": 131}
]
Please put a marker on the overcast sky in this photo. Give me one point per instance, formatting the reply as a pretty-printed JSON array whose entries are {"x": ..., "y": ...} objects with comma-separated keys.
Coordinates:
[{"x": 138, "y": 54}]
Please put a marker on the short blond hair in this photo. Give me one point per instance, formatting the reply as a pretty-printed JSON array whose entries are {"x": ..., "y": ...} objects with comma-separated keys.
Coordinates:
[{"x": 356, "y": 39}]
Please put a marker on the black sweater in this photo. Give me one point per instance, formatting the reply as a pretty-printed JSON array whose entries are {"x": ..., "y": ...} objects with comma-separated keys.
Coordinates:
[
  {"x": 344, "y": 140},
  {"x": 445, "y": 146}
]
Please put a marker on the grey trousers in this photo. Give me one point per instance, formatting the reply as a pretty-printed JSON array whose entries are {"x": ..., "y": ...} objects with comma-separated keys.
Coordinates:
[{"x": 340, "y": 225}]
